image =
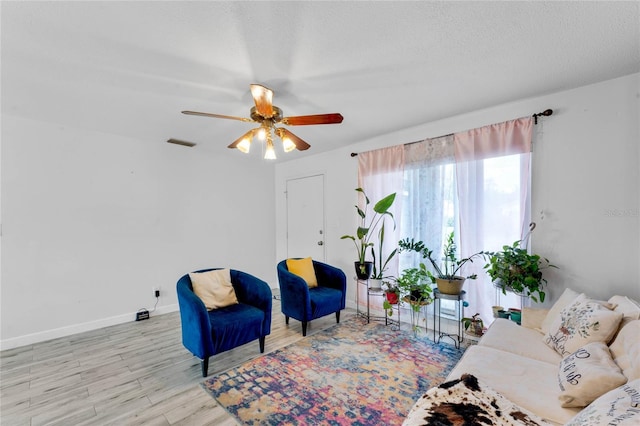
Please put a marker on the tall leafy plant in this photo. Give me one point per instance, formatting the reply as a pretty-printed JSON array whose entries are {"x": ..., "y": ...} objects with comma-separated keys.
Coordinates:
[
  {"x": 450, "y": 265},
  {"x": 362, "y": 238},
  {"x": 380, "y": 262}
]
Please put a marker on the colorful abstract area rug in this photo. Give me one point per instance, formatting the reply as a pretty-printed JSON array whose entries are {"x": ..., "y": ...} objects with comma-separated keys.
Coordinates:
[{"x": 350, "y": 374}]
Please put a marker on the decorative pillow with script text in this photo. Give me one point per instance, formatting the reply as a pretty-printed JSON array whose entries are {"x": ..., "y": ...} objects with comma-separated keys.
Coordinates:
[
  {"x": 587, "y": 374},
  {"x": 620, "y": 407}
]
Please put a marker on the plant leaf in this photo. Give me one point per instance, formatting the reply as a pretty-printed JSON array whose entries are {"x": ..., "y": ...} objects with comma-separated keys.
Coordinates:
[{"x": 384, "y": 204}]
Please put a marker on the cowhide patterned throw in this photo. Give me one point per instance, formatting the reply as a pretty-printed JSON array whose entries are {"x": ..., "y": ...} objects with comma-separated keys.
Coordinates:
[{"x": 467, "y": 402}]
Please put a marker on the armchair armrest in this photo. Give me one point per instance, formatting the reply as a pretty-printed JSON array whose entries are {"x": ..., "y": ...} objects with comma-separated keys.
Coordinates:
[
  {"x": 255, "y": 292},
  {"x": 533, "y": 317},
  {"x": 294, "y": 291},
  {"x": 194, "y": 319},
  {"x": 330, "y": 276}
]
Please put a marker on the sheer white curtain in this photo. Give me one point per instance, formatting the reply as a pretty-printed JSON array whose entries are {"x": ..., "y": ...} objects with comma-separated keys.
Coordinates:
[
  {"x": 380, "y": 173},
  {"x": 429, "y": 199},
  {"x": 493, "y": 182}
]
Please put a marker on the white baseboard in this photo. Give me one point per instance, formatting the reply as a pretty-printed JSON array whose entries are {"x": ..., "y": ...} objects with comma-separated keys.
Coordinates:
[{"x": 43, "y": 336}]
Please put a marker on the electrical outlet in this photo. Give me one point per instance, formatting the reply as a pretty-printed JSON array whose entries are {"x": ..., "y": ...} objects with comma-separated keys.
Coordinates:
[{"x": 156, "y": 291}]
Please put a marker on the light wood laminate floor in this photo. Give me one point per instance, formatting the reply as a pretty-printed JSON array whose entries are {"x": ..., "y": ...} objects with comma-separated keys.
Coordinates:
[{"x": 134, "y": 373}]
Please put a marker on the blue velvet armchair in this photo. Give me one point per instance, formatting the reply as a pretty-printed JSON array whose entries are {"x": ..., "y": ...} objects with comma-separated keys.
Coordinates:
[
  {"x": 300, "y": 302},
  {"x": 206, "y": 333}
]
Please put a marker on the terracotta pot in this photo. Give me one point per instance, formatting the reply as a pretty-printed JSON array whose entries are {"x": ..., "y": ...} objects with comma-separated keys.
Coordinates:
[
  {"x": 392, "y": 298},
  {"x": 450, "y": 286}
]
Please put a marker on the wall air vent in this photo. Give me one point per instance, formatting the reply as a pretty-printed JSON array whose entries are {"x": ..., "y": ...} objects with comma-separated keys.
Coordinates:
[{"x": 179, "y": 142}]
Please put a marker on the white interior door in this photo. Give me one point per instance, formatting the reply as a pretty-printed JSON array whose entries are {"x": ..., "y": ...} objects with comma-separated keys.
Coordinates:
[{"x": 305, "y": 217}]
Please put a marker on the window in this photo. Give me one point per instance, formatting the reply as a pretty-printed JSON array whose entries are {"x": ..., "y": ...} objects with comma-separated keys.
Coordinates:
[{"x": 431, "y": 211}]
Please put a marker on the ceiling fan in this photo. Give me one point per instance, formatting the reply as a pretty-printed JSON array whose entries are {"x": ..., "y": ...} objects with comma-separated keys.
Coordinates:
[{"x": 268, "y": 116}]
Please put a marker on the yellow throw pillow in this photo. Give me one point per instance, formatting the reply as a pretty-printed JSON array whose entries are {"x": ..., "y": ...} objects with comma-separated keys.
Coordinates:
[
  {"x": 303, "y": 268},
  {"x": 214, "y": 288}
]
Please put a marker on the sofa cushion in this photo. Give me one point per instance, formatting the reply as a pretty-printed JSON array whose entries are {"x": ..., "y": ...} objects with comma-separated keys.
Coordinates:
[
  {"x": 567, "y": 297},
  {"x": 529, "y": 383},
  {"x": 583, "y": 321},
  {"x": 214, "y": 288},
  {"x": 533, "y": 317},
  {"x": 617, "y": 407},
  {"x": 587, "y": 374},
  {"x": 625, "y": 350},
  {"x": 508, "y": 336}
]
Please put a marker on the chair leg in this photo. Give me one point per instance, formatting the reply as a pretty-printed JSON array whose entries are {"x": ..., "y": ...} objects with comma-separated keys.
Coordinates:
[
  {"x": 262, "y": 344},
  {"x": 304, "y": 328},
  {"x": 205, "y": 367},
  {"x": 338, "y": 317},
  {"x": 286, "y": 319}
]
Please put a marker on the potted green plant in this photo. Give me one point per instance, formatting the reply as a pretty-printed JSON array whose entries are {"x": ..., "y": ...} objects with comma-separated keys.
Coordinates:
[
  {"x": 446, "y": 277},
  {"x": 380, "y": 263},
  {"x": 473, "y": 325},
  {"x": 415, "y": 288},
  {"x": 515, "y": 269},
  {"x": 392, "y": 294},
  {"x": 362, "y": 239}
]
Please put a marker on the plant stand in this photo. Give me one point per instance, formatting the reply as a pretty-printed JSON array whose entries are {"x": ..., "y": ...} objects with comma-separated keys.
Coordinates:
[
  {"x": 376, "y": 294},
  {"x": 437, "y": 324},
  {"x": 415, "y": 314}
]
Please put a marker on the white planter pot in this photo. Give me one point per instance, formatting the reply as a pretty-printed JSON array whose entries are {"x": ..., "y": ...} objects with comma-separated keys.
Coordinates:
[{"x": 375, "y": 284}]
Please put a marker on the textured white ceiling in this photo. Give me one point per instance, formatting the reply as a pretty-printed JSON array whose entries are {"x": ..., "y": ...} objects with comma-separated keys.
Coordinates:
[{"x": 129, "y": 68}]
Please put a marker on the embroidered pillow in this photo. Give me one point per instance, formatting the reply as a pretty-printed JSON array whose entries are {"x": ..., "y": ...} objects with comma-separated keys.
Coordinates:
[
  {"x": 214, "y": 288},
  {"x": 581, "y": 322},
  {"x": 617, "y": 407},
  {"x": 587, "y": 374},
  {"x": 304, "y": 269},
  {"x": 567, "y": 297}
]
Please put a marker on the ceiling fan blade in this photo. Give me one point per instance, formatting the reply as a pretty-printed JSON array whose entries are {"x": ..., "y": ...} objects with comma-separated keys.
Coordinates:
[
  {"x": 248, "y": 135},
  {"x": 208, "y": 114},
  {"x": 263, "y": 97},
  {"x": 299, "y": 143},
  {"x": 303, "y": 120}
]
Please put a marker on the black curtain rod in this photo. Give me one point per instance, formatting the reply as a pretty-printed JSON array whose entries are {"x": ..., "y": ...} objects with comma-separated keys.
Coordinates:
[{"x": 545, "y": 113}]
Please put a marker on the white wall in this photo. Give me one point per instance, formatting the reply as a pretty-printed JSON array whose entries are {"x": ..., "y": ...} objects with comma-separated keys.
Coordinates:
[
  {"x": 91, "y": 222},
  {"x": 585, "y": 183}
]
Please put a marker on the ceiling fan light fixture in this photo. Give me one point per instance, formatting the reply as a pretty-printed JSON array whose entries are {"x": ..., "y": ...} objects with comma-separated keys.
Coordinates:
[
  {"x": 287, "y": 144},
  {"x": 270, "y": 153},
  {"x": 244, "y": 145},
  {"x": 268, "y": 116},
  {"x": 262, "y": 133}
]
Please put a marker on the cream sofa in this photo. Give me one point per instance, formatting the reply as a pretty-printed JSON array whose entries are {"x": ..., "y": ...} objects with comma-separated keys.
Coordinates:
[{"x": 517, "y": 363}]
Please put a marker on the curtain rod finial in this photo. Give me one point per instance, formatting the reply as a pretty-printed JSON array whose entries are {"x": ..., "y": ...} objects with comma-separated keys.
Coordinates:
[{"x": 545, "y": 113}]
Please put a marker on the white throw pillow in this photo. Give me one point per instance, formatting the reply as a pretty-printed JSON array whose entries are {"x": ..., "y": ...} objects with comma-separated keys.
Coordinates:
[
  {"x": 620, "y": 407},
  {"x": 628, "y": 307},
  {"x": 214, "y": 288},
  {"x": 587, "y": 374},
  {"x": 567, "y": 297},
  {"x": 625, "y": 350},
  {"x": 583, "y": 321}
]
